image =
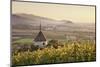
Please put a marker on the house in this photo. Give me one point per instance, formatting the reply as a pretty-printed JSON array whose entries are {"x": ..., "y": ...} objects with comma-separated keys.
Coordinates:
[{"x": 40, "y": 39}]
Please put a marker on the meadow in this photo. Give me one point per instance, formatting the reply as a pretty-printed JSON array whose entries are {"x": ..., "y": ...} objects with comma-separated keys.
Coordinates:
[{"x": 55, "y": 52}]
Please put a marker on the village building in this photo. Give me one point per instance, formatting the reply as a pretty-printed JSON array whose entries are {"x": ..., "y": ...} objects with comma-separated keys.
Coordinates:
[{"x": 40, "y": 39}]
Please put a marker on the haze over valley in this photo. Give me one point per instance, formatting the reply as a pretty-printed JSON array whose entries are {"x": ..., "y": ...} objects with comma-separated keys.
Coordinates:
[{"x": 27, "y": 26}]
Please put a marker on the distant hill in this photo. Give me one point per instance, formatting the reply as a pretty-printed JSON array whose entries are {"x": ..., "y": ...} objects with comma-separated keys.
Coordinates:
[
  {"x": 67, "y": 21},
  {"x": 28, "y": 21}
]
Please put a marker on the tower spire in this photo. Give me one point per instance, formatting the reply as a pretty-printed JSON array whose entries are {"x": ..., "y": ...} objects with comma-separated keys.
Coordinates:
[{"x": 40, "y": 25}]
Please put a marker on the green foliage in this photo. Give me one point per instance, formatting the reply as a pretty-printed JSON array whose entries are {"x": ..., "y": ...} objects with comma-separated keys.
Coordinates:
[
  {"x": 75, "y": 51},
  {"x": 23, "y": 42}
]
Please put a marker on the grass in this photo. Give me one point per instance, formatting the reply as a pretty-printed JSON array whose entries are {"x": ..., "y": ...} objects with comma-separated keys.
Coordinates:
[{"x": 23, "y": 42}]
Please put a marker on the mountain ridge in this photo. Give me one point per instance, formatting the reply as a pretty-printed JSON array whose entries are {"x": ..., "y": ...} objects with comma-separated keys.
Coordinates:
[{"x": 30, "y": 21}]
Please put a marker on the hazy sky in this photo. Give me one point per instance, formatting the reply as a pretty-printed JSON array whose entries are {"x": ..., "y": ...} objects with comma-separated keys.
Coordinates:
[{"x": 56, "y": 11}]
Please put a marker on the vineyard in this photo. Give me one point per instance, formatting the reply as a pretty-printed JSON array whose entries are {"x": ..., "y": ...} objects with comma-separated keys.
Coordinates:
[{"x": 57, "y": 52}]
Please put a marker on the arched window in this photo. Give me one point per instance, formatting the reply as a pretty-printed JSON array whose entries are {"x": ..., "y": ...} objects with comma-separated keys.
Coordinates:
[{"x": 43, "y": 43}]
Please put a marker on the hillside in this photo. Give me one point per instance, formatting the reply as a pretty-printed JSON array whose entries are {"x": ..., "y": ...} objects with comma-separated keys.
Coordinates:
[{"x": 28, "y": 21}]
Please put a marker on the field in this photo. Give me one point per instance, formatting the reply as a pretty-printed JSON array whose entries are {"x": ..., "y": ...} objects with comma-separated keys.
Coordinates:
[
  {"x": 66, "y": 44},
  {"x": 56, "y": 52}
]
